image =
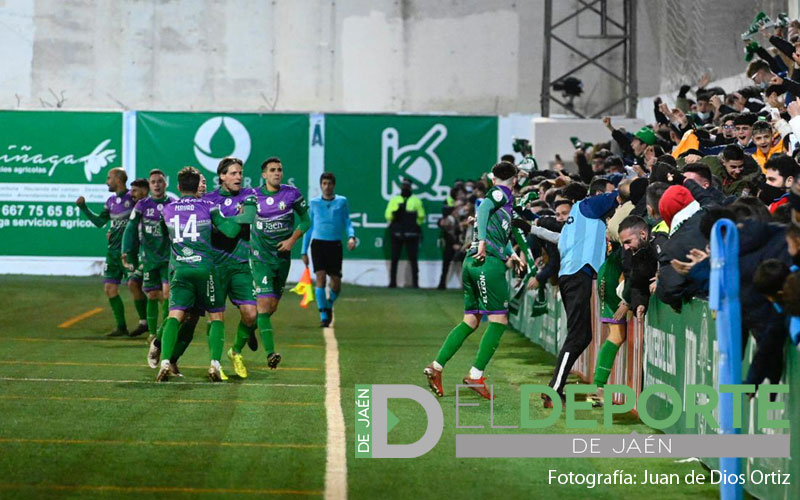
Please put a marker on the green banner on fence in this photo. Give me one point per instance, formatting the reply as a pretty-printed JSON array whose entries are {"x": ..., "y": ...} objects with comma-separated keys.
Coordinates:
[
  {"x": 681, "y": 349},
  {"x": 371, "y": 154},
  {"x": 47, "y": 160},
  {"x": 171, "y": 141}
]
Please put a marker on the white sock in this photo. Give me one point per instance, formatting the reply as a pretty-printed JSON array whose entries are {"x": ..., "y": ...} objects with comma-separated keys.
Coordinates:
[
  {"x": 475, "y": 374},
  {"x": 437, "y": 366},
  {"x": 164, "y": 363},
  {"x": 215, "y": 364}
]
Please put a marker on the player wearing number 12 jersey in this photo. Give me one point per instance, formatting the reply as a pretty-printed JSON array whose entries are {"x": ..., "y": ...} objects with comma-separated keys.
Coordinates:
[{"x": 189, "y": 221}]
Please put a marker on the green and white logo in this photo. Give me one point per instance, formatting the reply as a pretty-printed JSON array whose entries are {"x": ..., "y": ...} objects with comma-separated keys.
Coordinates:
[
  {"x": 216, "y": 132},
  {"x": 417, "y": 162}
]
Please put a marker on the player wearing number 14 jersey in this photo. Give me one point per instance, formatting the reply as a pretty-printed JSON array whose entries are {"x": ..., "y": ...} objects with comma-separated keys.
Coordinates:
[{"x": 189, "y": 221}]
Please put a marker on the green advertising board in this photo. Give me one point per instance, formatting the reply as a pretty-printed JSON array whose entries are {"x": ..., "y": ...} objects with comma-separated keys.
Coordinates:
[
  {"x": 171, "y": 141},
  {"x": 681, "y": 349},
  {"x": 47, "y": 160},
  {"x": 371, "y": 154}
]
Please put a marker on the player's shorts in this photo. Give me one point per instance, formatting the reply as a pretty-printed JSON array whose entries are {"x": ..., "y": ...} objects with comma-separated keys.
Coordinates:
[
  {"x": 190, "y": 288},
  {"x": 608, "y": 278},
  {"x": 113, "y": 270},
  {"x": 326, "y": 255},
  {"x": 236, "y": 283},
  {"x": 485, "y": 286},
  {"x": 269, "y": 278},
  {"x": 155, "y": 275},
  {"x": 137, "y": 275}
]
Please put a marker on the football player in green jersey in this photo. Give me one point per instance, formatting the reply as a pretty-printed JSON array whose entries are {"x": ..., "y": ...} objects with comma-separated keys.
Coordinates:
[
  {"x": 271, "y": 214},
  {"x": 189, "y": 222},
  {"x": 144, "y": 231},
  {"x": 117, "y": 211},
  {"x": 486, "y": 290}
]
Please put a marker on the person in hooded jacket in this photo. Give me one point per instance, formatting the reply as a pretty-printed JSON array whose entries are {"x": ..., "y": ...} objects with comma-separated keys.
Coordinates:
[{"x": 682, "y": 214}]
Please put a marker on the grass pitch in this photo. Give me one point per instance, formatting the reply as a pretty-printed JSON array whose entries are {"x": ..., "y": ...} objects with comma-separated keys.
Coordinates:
[{"x": 82, "y": 418}]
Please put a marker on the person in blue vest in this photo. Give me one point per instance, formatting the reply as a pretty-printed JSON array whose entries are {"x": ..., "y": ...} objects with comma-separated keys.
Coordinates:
[{"x": 582, "y": 248}]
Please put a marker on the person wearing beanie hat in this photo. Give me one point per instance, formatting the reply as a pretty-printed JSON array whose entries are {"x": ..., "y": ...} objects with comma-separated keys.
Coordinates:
[
  {"x": 682, "y": 214},
  {"x": 675, "y": 199}
]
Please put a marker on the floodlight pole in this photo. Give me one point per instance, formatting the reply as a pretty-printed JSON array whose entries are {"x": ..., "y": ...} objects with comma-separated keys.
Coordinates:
[{"x": 626, "y": 42}]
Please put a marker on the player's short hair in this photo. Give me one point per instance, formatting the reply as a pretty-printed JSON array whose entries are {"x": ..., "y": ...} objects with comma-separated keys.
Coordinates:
[
  {"x": 508, "y": 157},
  {"x": 157, "y": 171},
  {"x": 784, "y": 164},
  {"x": 504, "y": 170},
  {"x": 700, "y": 169},
  {"x": 732, "y": 152},
  {"x": 762, "y": 127},
  {"x": 141, "y": 183},
  {"x": 271, "y": 159},
  {"x": 120, "y": 174},
  {"x": 633, "y": 222},
  {"x": 188, "y": 180},
  {"x": 575, "y": 191},
  {"x": 225, "y": 163},
  {"x": 769, "y": 276},
  {"x": 654, "y": 193},
  {"x": 558, "y": 203},
  {"x": 599, "y": 185},
  {"x": 329, "y": 176}
]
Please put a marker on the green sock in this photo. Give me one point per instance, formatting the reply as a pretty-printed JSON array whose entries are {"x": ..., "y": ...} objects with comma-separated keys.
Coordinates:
[
  {"x": 265, "y": 328},
  {"x": 119, "y": 311},
  {"x": 165, "y": 312},
  {"x": 489, "y": 343},
  {"x": 216, "y": 339},
  {"x": 242, "y": 336},
  {"x": 169, "y": 338},
  {"x": 152, "y": 315},
  {"x": 605, "y": 362},
  {"x": 141, "y": 308},
  {"x": 453, "y": 342},
  {"x": 185, "y": 336}
]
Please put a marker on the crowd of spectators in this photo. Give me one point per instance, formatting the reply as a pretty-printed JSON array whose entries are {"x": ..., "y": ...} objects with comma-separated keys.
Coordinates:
[{"x": 713, "y": 155}]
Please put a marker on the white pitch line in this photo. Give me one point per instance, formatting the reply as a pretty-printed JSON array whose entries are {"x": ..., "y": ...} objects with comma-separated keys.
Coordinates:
[
  {"x": 336, "y": 460},
  {"x": 166, "y": 384}
]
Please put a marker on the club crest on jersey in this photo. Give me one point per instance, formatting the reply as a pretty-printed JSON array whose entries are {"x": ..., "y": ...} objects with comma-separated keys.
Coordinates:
[
  {"x": 127, "y": 204},
  {"x": 497, "y": 196},
  {"x": 228, "y": 202},
  {"x": 118, "y": 199},
  {"x": 270, "y": 201},
  {"x": 187, "y": 251},
  {"x": 160, "y": 207},
  {"x": 282, "y": 205}
]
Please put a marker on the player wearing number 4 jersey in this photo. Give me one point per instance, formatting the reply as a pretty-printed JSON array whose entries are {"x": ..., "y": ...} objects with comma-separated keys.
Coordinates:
[
  {"x": 117, "y": 210},
  {"x": 271, "y": 215},
  {"x": 485, "y": 286},
  {"x": 189, "y": 221}
]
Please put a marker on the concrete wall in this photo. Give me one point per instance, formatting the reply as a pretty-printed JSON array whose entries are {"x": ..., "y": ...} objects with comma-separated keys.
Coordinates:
[{"x": 465, "y": 56}]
